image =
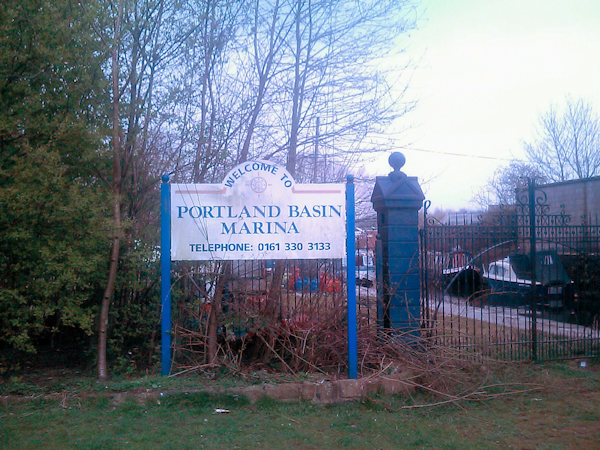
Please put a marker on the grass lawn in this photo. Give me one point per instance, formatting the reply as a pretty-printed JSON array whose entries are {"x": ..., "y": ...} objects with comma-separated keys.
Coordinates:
[{"x": 558, "y": 406}]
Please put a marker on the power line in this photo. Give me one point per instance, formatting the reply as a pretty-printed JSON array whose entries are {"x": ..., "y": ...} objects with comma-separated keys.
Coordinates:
[{"x": 462, "y": 155}]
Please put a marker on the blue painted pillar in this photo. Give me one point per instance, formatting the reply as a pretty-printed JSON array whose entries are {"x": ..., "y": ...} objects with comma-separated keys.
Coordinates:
[
  {"x": 397, "y": 199},
  {"x": 165, "y": 270},
  {"x": 351, "y": 277}
]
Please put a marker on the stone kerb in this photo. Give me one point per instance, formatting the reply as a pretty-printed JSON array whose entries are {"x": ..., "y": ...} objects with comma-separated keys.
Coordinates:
[{"x": 325, "y": 392}]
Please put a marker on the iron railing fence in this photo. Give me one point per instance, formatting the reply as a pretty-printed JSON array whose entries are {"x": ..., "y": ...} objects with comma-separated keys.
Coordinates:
[
  {"x": 366, "y": 280},
  {"x": 515, "y": 283},
  {"x": 300, "y": 294}
]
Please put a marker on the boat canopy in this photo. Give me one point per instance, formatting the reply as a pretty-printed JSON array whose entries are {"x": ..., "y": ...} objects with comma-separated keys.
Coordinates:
[{"x": 549, "y": 268}]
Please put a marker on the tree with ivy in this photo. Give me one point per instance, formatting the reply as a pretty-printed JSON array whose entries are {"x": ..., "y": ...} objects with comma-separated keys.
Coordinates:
[{"x": 51, "y": 204}]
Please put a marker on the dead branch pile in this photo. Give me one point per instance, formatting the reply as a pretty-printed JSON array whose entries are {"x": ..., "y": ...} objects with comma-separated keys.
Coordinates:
[{"x": 317, "y": 344}]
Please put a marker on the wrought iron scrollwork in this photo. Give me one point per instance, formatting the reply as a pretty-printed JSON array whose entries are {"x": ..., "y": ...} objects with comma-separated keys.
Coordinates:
[
  {"x": 522, "y": 198},
  {"x": 427, "y": 220}
]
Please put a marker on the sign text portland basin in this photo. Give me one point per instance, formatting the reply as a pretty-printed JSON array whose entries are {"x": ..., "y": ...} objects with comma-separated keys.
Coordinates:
[{"x": 258, "y": 212}]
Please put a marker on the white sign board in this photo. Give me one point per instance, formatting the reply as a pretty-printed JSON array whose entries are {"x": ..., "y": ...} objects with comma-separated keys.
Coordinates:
[{"x": 258, "y": 212}]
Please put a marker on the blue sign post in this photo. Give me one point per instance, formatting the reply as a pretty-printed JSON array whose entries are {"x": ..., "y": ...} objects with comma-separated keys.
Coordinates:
[
  {"x": 165, "y": 270},
  {"x": 351, "y": 277}
]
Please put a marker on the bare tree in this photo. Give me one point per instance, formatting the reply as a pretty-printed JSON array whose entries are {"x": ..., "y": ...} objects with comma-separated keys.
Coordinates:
[
  {"x": 366, "y": 216},
  {"x": 567, "y": 145},
  {"x": 288, "y": 63},
  {"x": 258, "y": 75},
  {"x": 215, "y": 24},
  {"x": 140, "y": 38},
  {"x": 331, "y": 72},
  {"x": 502, "y": 187}
]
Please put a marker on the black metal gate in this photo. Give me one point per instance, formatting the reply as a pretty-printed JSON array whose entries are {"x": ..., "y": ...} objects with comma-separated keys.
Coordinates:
[{"x": 514, "y": 283}]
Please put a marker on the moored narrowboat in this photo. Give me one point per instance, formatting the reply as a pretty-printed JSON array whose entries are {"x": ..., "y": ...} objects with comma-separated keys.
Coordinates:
[{"x": 510, "y": 281}]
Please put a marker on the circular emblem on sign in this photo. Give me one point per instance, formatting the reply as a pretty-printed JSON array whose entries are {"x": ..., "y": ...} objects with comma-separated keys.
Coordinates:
[{"x": 258, "y": 185}]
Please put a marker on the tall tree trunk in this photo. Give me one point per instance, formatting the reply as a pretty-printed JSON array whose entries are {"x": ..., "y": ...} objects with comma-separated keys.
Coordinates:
[
  {"x": 215, "y": 307},
  {"x": 264, "y": 73},
  {"x": 208, "y": 37},
  {"x": 116, "y": 198},
  {"x": 296, "y": 97},
  {"x": 275, "y": 289},
  {"x": 108, "y": 293}
]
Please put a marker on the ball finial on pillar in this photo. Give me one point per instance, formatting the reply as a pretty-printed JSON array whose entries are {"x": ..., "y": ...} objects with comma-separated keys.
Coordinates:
[{"x": 397, "y": 161}]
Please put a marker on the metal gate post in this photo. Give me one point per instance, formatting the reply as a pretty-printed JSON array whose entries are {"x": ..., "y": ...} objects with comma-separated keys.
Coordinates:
[
  {"x": 397, "y": 199},
  {"x": 533, "y": 258}
]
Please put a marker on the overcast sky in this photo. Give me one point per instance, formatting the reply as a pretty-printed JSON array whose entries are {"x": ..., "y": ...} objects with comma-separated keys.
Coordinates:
[{"x": 484, "y": 71}]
